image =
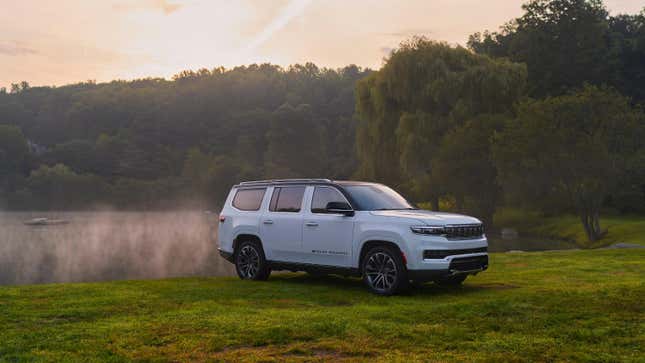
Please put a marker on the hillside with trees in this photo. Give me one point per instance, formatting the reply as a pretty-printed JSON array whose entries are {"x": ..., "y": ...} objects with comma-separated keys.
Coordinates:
[{"x": 153, "y": 143}]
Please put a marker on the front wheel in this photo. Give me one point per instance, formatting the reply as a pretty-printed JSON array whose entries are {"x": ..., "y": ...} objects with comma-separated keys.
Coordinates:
[
  {"x": 250, "y": 262},
  {"x": 383, "y": 271}
]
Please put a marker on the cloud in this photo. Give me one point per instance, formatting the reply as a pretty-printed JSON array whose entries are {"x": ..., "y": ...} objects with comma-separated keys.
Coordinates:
[
  {"x": 293, "y": 9},
  {"x": 15, "y": 49},
  {"x": 165, "y": 6}
]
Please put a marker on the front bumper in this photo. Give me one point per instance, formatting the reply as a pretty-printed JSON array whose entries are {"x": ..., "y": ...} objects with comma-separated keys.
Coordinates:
[
  {"x": 459, "y": 265},
  {"x": 432, "y": 257}
]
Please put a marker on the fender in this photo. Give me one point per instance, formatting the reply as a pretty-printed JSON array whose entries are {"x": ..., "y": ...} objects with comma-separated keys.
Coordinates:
[{"x": 380, "y": 235}]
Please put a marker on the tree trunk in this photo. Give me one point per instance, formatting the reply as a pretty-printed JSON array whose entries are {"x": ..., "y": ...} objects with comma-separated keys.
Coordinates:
[
  {"x": 459, "y": 202},
  {"x": 591, "y": 223},
  {"x": 435, "y": 202}
]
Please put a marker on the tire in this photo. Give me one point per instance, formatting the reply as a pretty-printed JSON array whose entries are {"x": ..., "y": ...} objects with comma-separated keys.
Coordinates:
[
  {"x": 450, "y": 280},
  {"x": 250, "y": 262},
  {"x": 383, "y": 271}
]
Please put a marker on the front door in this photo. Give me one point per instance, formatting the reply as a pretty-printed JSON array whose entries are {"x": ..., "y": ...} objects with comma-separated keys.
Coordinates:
[
  {"x": 327, "y": 237},
  {"x": 281, "y": 225}
]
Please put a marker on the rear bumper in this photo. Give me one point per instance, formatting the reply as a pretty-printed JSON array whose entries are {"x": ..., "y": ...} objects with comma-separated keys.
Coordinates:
[
  {"x": 458, "y": 265},
  {"x": 228, "y": 256}
]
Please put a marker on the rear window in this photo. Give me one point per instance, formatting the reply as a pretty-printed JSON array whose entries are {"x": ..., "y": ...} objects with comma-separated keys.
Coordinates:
[
  {"x": 286, "y": 199},
  {"x": 248, "y": 199}
]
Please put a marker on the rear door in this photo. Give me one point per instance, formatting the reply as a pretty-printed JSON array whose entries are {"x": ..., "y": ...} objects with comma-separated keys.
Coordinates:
[
  {"x": 281, "y": 224},
  {"x": 327, "y": 237}
]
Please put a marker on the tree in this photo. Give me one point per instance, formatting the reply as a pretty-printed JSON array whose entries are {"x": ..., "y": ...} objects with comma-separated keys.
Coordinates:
[
  {"x": 425, "y": 90},
  {"x": 566, "y": 43},
  {"x": 13, "y": 150},
  {"x": 294, "y": 143},
  {"x": 463, "y": 166},
  {"x": 59, "y": 187},
  {"x": 569, "y": 149},
  {"x": 79, "y": 155},
  {"x": 14, "y": 153}
]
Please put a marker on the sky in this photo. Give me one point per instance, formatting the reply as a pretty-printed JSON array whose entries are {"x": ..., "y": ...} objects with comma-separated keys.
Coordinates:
[{"x": 66, "y": 41}]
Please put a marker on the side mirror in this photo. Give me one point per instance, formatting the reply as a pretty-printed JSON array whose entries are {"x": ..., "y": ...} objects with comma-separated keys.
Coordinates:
[{"x": 339, "y": 208}]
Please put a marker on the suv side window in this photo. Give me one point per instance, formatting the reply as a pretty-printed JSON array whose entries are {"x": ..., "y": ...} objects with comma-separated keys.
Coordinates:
[
  {"x": 287, "y": 199},
  {"x": 324, "y": 195},
  {"x": 248, "y": 199}
]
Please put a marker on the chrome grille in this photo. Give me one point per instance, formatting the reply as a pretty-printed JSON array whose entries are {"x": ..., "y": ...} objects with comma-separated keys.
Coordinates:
[{"x": 463, "y": 231}]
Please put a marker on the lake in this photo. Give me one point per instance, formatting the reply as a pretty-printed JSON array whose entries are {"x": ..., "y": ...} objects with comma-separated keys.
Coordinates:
[{"x": 97, "y": 246}]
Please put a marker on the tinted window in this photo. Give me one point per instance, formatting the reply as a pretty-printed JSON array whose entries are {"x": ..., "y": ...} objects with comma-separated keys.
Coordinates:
[
  {"x": 324, "y": 195},
  {"x": 248, "y": 199},
  {"x": 287, "y": 199},
  {"x": 376, "y": 197}
]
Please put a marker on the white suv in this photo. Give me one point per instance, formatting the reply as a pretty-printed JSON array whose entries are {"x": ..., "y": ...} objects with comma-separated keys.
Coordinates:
[{"x": 346, "y": 227}]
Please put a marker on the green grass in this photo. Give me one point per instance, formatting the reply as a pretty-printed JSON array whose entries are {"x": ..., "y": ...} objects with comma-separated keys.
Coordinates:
[
  {"x": 626, "y": 229},
  {"x": 575, "y": 305}
]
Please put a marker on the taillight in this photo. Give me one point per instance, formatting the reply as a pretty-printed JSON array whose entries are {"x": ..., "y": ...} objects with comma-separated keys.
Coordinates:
[{"x": 222, "y": 218}]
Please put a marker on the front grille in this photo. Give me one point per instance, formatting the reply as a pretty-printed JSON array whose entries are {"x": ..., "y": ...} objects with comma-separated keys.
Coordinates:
[
  {"x": 430, "y": 254},
  {"x": 469, "y": 263},
  {"x": 463, "y": 231}
]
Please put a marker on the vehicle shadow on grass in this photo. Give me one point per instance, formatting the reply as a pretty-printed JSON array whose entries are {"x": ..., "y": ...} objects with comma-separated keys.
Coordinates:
[{"x": 356, "y": 285}]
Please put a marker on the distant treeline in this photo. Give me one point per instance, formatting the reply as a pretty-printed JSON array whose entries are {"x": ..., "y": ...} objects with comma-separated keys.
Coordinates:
[
  {"x": 150, "y": 143},
  {"x": 545, "y": 113}
]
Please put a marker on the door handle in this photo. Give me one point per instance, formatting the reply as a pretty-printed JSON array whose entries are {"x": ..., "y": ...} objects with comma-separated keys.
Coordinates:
[
  {"x": 268, "y": 221},
  {"x": 311, "y": 224}
]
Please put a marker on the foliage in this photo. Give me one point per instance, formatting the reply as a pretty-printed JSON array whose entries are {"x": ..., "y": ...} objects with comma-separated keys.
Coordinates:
[
  {"x": 14, "y": 159},
  {"x": 136, "y": 136},
  {"x": 424, "y": 92},
  {"x": 570, "y": 149},
  {"x": 60, "y": 187},
  {"x": 566, "y": 43},
  {"x": 551, "y": 306}
]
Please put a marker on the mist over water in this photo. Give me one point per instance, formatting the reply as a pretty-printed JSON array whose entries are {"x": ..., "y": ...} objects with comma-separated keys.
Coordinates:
[{"x": 97, "y": 246}]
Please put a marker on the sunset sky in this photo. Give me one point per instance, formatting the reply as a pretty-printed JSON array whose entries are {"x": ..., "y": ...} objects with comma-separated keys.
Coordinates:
[{"x": 59, "y": 42}]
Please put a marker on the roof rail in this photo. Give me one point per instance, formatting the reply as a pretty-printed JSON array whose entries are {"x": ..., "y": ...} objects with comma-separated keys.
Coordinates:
[{"x": 277, "y": 181}]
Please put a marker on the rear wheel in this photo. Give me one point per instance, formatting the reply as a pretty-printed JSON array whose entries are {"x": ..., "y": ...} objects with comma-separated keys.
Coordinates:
[
  {"x": 455, "y": 280},
  {"x": 383, "y": 271},
  {"x": 250, "y": 262}
]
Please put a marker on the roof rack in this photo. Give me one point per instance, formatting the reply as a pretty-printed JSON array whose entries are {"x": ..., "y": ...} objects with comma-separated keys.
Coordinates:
[{"x": 278, "y": 181}]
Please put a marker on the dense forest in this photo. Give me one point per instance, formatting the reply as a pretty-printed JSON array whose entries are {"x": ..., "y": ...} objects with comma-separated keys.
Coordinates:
[
  {"x": 545, "y": 113},
  {"x": 153, "y": 143}
]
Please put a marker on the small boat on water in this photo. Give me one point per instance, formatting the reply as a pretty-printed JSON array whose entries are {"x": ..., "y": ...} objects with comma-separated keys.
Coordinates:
[{"x": 45, "y": 222}]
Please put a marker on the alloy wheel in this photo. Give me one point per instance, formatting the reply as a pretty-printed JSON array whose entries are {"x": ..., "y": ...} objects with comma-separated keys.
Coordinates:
[
  {"x": 381, "y": 271},
  {"x": 248, "y": 262}
]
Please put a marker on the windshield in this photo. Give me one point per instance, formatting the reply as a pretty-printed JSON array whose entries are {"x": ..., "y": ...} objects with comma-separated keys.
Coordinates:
[{"x": 376, "y": 197}]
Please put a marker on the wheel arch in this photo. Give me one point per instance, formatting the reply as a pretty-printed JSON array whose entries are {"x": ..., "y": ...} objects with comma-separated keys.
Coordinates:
[
  {"x": 247, "y": 237},
  {"x": 367, "y": 245}
]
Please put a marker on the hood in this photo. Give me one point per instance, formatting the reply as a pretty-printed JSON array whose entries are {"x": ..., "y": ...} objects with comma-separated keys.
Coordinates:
[{"x": 428, "y": 217}]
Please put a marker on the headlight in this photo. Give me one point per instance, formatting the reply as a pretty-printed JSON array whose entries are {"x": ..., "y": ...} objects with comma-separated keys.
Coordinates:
[{"x": 434, "y": 230}]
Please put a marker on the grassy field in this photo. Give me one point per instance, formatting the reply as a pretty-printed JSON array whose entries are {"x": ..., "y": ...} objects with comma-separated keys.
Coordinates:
[
  {"x": 626, "y": 229},
  {"x": 576, "y": 305}
]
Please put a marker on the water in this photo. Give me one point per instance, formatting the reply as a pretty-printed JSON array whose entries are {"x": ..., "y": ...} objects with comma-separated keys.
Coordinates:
[
  {"x": 498, "y": 244},
  {"x": 98, "y": 246}
]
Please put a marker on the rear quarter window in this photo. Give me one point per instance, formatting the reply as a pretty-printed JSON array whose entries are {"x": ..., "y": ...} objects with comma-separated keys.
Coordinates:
[{"x": 248, "y": 199}]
